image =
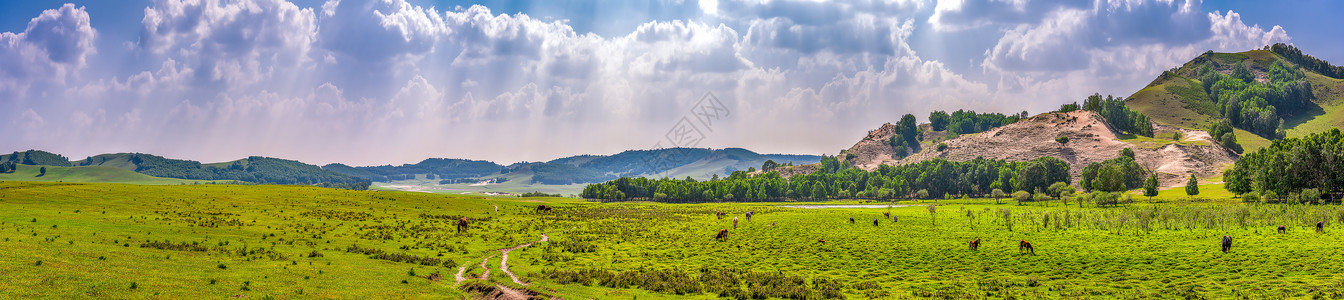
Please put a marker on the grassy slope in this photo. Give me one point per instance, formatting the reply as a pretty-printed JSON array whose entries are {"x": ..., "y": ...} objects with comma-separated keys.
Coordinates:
[
  {"x": 1178, "y": 100},
  {"x": 1139, "y": 250},
  {"x": 76, "y": 224},
  {"x": 91, "y": 174}
]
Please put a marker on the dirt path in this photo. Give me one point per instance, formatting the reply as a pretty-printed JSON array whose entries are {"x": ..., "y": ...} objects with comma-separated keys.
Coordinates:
[
  {"x": 485, "y": 275},
  {"x": 504, "y": 260},
  {"x": 496, "y": 207},
  {"x": 460, "y": 270}
]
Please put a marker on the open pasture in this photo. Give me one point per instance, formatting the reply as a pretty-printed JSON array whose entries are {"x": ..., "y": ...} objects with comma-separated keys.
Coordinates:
[{"x": 209, "y": 241}]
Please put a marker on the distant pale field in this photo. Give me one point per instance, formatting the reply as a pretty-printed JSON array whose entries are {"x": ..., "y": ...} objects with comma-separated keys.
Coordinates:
[{"x": 101, "y": 240}]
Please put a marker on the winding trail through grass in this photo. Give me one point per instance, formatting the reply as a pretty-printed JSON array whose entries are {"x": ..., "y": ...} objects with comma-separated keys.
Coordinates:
[
  {"x": 504, "y": 260},
  {"x": 485, "y": 275}
]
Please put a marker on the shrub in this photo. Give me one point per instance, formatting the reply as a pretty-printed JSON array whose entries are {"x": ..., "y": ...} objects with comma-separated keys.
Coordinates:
[
  {"x": 942, "y": 146},
  {"x": 1021, "y": 196},
  {"x": 1311, "y": 196},
  {"x": 1251, "y": 197},
  {"x": 222, "y": 266}
]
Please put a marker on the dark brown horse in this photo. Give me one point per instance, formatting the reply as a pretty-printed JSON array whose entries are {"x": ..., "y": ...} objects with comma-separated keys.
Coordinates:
[
  {"x": 1023, "y": 245},
  {"x": 543, "y": 208},
  {"x": 1282, "y": 230},
  {"x": 1227, "y": 243},
  {"x": 463, "y": 224},
  {"x": 975, "y": 244},
  {"x": 1320, "y": 227},
  {"x": 723, "y": 234},
  {"x": 749, "y": 214},
  {"x": 719, "y": 214},
  {"x": 851, "y": 220},
  {"x": 875, "y": 222},
  {"x": 886, "y": 214},
  {"x": 821, "y": 241}
]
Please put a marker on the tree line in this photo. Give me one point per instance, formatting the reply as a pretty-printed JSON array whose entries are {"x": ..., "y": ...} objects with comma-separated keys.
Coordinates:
[
  {"x": 1113, "y": 110},
  {"x": 1292, "y": 54},
  {"x": 936, "y": 178},
  {"x": 1312, "y": 164}
]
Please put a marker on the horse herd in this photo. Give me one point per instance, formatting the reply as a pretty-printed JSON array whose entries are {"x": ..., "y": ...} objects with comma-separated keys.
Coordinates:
[{"x": 1023, "y": 246}]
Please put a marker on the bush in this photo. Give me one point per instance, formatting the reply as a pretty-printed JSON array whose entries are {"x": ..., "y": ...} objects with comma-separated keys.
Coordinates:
[
  {"x": 1311, "y": 196},
  {"x": 1021, "y": 196},
  {"x": 1251, "y": 197},
  {"x": 942, "y": 146}
]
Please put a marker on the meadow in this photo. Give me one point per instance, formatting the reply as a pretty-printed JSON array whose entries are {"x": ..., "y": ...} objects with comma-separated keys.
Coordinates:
[{"x": 102, "y": 240}]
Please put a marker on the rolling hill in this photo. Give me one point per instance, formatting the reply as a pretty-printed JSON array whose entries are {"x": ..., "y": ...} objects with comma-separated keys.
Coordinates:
[
  {"x": 1181, "y": 97},
  {"x": 699, "y": 163},
  {"x": 153, "y": 169},
  {"x": 90, "y": 174}
]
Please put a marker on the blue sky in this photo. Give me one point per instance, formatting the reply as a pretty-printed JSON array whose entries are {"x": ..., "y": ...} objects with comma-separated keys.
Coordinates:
[{"x": 394, "y": 81}]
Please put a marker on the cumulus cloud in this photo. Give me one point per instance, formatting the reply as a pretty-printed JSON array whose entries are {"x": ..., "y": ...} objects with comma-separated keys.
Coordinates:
[
  {"x": 53, "y": 45},
  {"x": 389, "y": 81},
  {"x": 231, "y": 43}
]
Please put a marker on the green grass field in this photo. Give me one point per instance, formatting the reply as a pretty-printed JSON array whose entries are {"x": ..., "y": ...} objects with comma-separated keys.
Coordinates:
[
  {"x": 91, "y": 174},
  {"x": 209, "y": 241}
]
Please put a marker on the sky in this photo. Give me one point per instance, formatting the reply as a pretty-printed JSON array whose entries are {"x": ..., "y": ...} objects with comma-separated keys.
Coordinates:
[{"x": 371, "y": 82}]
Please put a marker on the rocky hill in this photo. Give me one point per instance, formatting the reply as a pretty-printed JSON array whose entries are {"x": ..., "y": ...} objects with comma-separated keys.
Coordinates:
[{"x": 1090, "y": 140}]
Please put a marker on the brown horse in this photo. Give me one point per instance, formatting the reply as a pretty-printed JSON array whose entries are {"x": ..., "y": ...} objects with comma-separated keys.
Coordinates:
[
  {"x": 1227, "y": 243},
  {"x": 723, "y": 234},
  {"x": 734, "y": 222},
  {"x": 875, "y": 222},
  {"x": 975, "y": 244},
  {"x": 851, "y": 220},
  {"x": 1282, "y": 230},
  {"x": 543, "y": 208},
  {"x": 1024, "y": 245},
  {"x": 719, "y": 214},
  {"x": 463, "y": 224},
  {"x": 1320, "y": 227},
  {"x": 895, "y": 218},
  {"x": 821, "y": 241},
  {"x": 749, "y": 214},
  {"x": 886, "y": 214}
]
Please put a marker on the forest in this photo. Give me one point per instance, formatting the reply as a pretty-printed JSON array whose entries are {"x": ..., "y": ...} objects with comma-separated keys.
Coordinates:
[
  {"x": 1258, "y": 106},
  {"x": 937, "y": 178},
  {"x": 1313, "y": 164}
]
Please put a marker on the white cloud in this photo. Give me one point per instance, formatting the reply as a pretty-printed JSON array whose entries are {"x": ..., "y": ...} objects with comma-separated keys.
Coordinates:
[
  {"x": 233, "y": 43},
  {"x": 53, "y": 46},
  {"x": 1231, "y": 33}
]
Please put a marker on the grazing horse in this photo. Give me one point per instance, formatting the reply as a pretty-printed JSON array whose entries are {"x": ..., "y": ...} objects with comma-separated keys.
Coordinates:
[
  {"x": 723, "y": 234},
  {"x": 1227, "y": 243},
  {"x": 543, "y": 208},
  {"x": 462, "y": 225},
  {"x": 1281, "y": 229},
  {"x": 749, "y": 214},
  {"x": 851, "y": 220},
  {"x": 895, "y": 218},
  {"x": 734, "y": 222},
  {"x": 875, "y": 222},
  {"x": 719, "y": 214},
  {"x": 975, "y": 244},
  {"x": 821, "y": 241},
  {"x": 1024, "y": 245},
  {"x": 771, "y": 224},
  {"x": 1320, "y": 227},
  {"x": 886, "y": 214}
]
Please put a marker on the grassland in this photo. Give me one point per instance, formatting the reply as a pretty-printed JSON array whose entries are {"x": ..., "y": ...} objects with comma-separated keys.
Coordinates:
[
  {"x": 90, "y": 174},
  {"x": 210, "y": 241}
]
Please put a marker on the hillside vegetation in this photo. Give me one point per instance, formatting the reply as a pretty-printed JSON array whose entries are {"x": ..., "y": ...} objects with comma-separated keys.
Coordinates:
[
  {"x": 1265, "y": 94},
  {"x": 253, "y": 169}
]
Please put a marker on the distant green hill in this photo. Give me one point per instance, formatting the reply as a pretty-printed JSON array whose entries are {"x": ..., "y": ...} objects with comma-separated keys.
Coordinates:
[
  {"x": 253, "y": 169},
  {"x": 89, "y": 174},
  {"x": 36, "y": 158},
  {"x": 1256, "y": 90},
  {"x": 700, "y": 163}
]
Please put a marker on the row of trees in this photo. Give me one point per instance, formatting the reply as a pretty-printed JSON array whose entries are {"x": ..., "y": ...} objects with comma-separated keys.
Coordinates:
[
  {"x": 1295, "y": 56},
  {"x": 1291, "y": 165},
  {"x": 968, "y": 121},
  {"x": 1119, "y": 116},
  {"x": 1258, "y": 106},
  {"x": 931, "y": 178},
  {"x": 8, "y": 167}
]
